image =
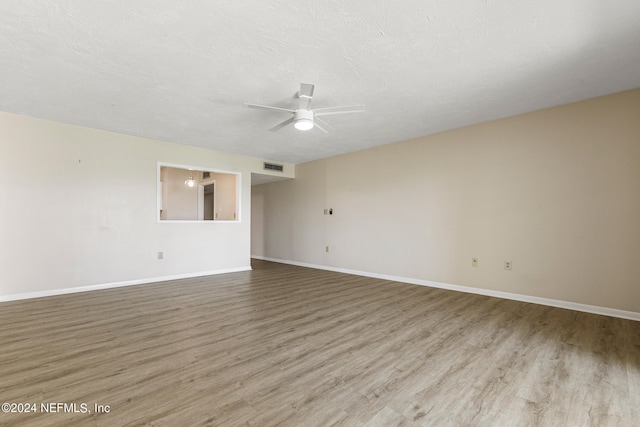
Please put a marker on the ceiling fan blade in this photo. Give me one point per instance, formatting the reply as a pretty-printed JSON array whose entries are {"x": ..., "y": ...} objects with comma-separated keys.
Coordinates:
[
  {"x": 347, "y": 109},
  {"x": 318, "y": 120},
  {"x": 305, "y": 94},
  {"x": 316, "y": 124},
  {"x": 281, "y": 125},
  {"x": 268, "y": 107}
]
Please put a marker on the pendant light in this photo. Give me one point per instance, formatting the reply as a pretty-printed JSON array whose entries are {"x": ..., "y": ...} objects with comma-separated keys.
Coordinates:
[{"x": 190, "y": 182}]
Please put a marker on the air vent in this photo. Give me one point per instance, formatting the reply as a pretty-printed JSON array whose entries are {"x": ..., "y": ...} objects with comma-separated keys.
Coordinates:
[
  {"x": 273, "y": 167},
  {"x": 206, "y": 175}
]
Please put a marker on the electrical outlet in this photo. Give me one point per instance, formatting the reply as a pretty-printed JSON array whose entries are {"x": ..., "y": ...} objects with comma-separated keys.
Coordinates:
[
  {"x": 474, "y": 262},
  {"x": 160, "y": 255},
  {"x": 507, "y": 265}
]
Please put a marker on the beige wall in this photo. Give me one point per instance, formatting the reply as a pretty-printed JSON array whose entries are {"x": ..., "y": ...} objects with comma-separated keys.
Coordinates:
[
  {"x": 99, "y": 225},
  {"x": 225, "y": 196},
  {"x": 180, "y": 202},
  {"x": 556, "y": 191}
]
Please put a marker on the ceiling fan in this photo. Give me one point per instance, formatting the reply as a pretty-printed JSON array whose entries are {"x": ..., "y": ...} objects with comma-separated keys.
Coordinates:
[{"x": 304, "y": 118}]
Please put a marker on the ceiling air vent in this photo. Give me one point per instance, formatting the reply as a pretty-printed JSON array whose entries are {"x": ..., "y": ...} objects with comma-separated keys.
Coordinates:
[{"x": 273, "y": 167}]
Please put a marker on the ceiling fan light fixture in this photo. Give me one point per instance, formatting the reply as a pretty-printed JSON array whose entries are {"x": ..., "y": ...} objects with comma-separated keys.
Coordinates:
[
  {"x": 303, "y": 124},
  {"x": 303, "y": 119}
]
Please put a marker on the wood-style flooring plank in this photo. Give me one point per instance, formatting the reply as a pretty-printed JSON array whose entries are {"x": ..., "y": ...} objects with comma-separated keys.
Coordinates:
[{"x": 291, "y": 346}]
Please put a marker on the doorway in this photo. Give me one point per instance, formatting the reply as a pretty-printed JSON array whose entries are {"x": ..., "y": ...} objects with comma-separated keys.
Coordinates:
[{"x": 209, "y": 202}]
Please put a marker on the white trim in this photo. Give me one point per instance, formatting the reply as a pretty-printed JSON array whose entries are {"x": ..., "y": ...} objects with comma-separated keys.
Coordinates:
[
  {"x": 605, "y": 311},
  {"x": 54, "y": 292},
  {"x": 196, "y": 168},
  {"x": 196, "y": 221}
]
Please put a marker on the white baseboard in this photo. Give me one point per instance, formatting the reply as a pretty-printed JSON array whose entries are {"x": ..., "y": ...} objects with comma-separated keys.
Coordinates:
[
  {"x": 605, "y": 311},
  {"x": 54, "y": 292}
]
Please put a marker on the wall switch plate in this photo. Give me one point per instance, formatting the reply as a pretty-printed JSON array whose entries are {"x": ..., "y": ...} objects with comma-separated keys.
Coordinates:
[
  {"x": 326, "y": 211},
  {"x": 507, "y": 265},
  {"x": 474, "y": 262},
  {"x": 160, "y": 255},
  {"x": 326, "y": 248}
]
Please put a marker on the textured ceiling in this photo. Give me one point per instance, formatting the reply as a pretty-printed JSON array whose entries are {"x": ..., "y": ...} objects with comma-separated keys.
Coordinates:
[{"x": 181, "y": 71}]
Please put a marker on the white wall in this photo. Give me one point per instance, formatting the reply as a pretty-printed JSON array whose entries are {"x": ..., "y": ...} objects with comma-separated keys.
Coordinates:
[
  {"x": 99, "y": 225},
  {"x": 556, "y": 191}
]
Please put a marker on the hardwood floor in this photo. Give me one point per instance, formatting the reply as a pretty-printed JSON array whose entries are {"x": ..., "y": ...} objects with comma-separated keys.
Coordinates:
[{"x": 290, "y": 346}]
